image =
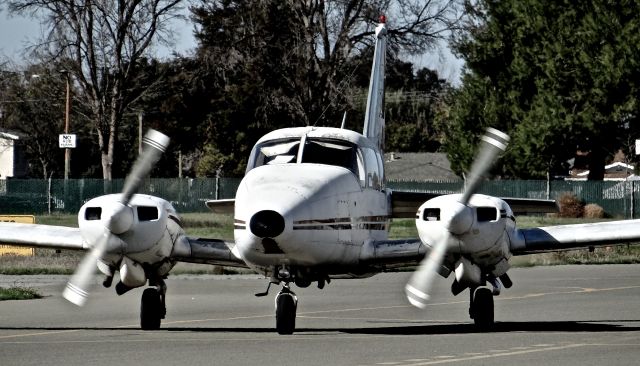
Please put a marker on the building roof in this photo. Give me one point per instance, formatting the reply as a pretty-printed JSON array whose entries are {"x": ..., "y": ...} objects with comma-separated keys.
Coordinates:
[
  {"x": 614, "y": 171},
  {"x": 418, "y": 166},
  {"x": 11, "y": 135}
]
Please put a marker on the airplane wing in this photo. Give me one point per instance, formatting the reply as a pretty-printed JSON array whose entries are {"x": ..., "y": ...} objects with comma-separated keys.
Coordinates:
[
  {"x": 406, "y": 204},
  {"x": 41, "y": 236},
  {"x": 383, "y": 255},
  {"x": 207, "y": 251},
  {"x": 567, "y": 237},
  {"x": 221, "y": 206},
  {"x": 210, "y": 251}
]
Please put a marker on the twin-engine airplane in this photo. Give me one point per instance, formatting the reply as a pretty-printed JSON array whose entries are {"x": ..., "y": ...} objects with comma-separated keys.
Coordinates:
[{"x": 312, "y": 207}]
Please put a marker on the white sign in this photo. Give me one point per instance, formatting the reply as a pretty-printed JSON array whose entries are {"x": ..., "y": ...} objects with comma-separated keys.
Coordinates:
[
  {"x": 67, "y": 141},
  {"x": 637, "y": 147}
]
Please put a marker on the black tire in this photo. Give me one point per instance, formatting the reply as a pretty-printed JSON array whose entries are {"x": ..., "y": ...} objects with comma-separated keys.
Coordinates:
[
  {"x": 483, "y": 309},
  {"x": 150, "y": 310},
  {"x": 285, "y": 314}
]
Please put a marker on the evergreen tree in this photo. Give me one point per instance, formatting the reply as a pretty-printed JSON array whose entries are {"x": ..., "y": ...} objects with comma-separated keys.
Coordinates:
[{"x": 558, "y": 76}]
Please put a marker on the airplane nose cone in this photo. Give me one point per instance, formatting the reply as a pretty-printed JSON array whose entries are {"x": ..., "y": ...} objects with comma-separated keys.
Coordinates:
[{"x": 267, "y": 224}]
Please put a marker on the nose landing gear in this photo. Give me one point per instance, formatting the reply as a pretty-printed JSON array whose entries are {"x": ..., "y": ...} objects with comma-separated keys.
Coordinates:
[
  {"x": 286, "y": 305},
  {"x": 286, "y": 301}
]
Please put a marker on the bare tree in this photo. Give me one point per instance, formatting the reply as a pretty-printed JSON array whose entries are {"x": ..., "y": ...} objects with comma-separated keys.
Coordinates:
[
  {"x": 102, "y": 42},
  {"x": 334, "y": 31}
]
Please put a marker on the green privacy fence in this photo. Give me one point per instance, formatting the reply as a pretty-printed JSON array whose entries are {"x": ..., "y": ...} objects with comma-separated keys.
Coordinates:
[{"x": 33, "y": 196}]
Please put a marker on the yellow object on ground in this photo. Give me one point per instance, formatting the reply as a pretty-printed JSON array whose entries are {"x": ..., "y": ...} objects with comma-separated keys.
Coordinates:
[{"x": 10, "y": 249}]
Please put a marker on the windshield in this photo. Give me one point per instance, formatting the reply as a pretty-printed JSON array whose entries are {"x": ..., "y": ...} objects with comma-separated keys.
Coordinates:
[
  {"x": 316, "y": 151},
  {"x": 276, "y": 152},
  {"x": 331, "y": 152}
]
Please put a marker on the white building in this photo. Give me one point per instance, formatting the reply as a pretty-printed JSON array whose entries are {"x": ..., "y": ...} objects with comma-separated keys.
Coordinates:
[{"x": 13, "y": 162}]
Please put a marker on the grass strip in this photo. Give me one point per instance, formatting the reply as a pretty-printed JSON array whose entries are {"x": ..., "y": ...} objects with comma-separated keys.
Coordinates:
[{"x": 18, "y": 293}]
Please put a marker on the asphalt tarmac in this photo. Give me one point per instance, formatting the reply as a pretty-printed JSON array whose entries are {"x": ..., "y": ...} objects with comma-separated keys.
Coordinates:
[{"x": 564, "y": 315}]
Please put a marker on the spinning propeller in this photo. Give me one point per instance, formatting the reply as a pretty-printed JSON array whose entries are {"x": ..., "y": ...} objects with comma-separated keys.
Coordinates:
[
  {"x": 456, "y": 221},
  {"x": 118, "y": 218}
]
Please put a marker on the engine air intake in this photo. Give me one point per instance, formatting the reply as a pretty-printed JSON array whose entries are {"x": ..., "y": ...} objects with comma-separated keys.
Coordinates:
[{"x": 266, "y": 224}]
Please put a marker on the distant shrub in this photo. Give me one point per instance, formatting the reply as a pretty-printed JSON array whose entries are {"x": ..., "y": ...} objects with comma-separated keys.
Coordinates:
[
  {"x": 570, "y": 205},
  {"x": 593, "y": 211}
]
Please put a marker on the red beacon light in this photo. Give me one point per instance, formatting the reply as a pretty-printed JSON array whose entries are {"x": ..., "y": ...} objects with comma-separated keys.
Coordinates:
[{"x": 382, "y": 19}]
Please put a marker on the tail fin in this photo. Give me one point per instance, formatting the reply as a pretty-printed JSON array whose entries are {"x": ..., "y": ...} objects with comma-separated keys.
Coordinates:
[{"x": 374, "y": 115}]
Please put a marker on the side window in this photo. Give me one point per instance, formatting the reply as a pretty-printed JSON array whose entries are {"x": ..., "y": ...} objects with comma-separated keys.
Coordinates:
[
  {"x": 380, "y": 169},
  {"x": 362, "y": 174},
  {"x": 372, "y": 168}
]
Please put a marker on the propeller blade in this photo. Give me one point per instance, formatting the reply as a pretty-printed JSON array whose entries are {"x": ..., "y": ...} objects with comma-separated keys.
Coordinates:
[
  {"x": 155, "y": 143},
  {"x": 419, "y": 286},
  {"x": 493, "y": 143},
  {"x": 76, "y": 291}
]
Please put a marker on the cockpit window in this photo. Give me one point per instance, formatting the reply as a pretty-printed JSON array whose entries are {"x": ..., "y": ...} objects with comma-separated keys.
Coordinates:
[
  {"x": 339, "y": 153},
  {"x": 276, "y": 152},
  {"x": 315, "y": 151}
]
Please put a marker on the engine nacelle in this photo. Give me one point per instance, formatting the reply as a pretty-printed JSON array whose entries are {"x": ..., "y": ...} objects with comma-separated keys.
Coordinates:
[
  {"x": 144, "y": 231},
  {"x": 131, "y": 273},
  {"x": 476, "y": 231},
  {"x": 467, "y": 273}
]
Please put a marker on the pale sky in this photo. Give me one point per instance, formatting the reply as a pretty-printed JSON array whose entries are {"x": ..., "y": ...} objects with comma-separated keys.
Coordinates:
[{"x": 16, "y": 33}]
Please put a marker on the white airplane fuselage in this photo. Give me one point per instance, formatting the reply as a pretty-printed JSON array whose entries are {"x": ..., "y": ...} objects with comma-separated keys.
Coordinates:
[{"x": 311, "y": 197}]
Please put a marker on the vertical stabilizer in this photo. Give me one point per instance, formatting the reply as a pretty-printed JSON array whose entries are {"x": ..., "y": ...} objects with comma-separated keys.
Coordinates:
[{"x": 374, "y": 115}]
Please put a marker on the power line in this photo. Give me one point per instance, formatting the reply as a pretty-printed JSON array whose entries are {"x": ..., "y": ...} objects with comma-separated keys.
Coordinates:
[{"x": 29, "y": 100}]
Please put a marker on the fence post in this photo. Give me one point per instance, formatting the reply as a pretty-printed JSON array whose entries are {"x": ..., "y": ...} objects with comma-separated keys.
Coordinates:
[
  {"x": 49, "y": 196},
  {"x": 632, "y": 199},
  {"x": 548, "y": 186}
]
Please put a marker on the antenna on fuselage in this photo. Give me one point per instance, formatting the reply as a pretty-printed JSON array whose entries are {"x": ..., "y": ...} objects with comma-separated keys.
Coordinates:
[
  {"x": 344, "y": 120},
  {"x": 374, "y": 115}
]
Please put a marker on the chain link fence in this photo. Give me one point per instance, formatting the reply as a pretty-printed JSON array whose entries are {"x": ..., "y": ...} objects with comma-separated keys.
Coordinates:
[
  {"x": 33, "y": 196},
  {"x": 617, "y": 198}
]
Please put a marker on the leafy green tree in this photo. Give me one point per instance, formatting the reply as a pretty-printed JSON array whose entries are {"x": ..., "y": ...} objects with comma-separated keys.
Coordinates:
[{"x": 558, "y": 76}]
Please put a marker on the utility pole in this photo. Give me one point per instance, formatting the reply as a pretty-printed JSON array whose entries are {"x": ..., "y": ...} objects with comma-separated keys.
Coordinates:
[
  {"x": 67, "y": 151},
  {"x": 140, "y": 116}
]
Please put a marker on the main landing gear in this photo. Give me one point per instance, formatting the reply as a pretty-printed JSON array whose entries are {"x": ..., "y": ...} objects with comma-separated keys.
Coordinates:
[
  {"x": 481, "y": 307},
  {"x": 481, "y": 301},
  {"x": 152, "y": 306}
]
